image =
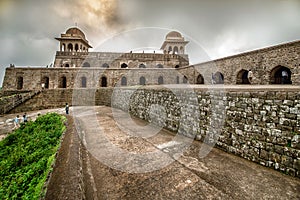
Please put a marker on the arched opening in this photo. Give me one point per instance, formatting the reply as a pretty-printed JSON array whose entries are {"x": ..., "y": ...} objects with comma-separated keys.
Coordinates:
[
  {"x": 177, "y": 80},
  {"x": 142, "y": 66},
  {"x": 280, "y": 75},
  {"x": 70, "y": 47},
  {"x": 170, "y": 49},
  {"x": 20, "y": 83},
  {"x": 124, "y": 81},
  {"x": 86, "y": 64},
  {"x": 218, "y": 78},
  {"x": 103, "y": 81},
  {"x": 176, "y": 66},
  {"x": 160, "y": 80},
  {"x": 67, "y": 65},
  {"x": 175, "y": 50},
  {"x": 200, "y": 79},
  {"x": 63, "y": 82},
  {"x": 185, "y": 79},
  {"x": 105, "y": 65},
  {"x": 242, "y": 77},
  {"x": 63, "y": 47},
  {"x": 45, "y": 81},
  {"x": 159, "y": 66},
  {"x": 124, "y": 65},
  {"x": 181, "y": 50},
  {"x": 83, "y": 82},
  {"x": 76, "y": 47},
  {"x": 142, "y": 81}
]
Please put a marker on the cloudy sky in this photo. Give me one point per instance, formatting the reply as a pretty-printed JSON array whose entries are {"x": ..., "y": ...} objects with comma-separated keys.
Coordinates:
[{"x": 220, "y": 27}]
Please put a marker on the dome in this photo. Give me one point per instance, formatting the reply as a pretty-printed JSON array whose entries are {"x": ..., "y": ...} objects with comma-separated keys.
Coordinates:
[
  {"x": 75, "y": 31},
  {"x": 173, "y": 34}
]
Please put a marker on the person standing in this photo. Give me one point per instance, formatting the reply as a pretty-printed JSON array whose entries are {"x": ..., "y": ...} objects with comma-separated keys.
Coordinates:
[
  {"x": 67, "y": 108},
  {"x": 17, "y": 122},
  {"x": 250, "y": 76},
  {"x": 25, "y": 118},
  {"x": 284, "y": 75}
]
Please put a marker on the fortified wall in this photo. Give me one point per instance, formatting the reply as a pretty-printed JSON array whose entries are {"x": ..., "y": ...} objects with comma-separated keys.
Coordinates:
[{"x": 261, "y": 125}]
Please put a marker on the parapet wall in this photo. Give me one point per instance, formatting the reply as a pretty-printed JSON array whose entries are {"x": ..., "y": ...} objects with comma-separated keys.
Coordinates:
[{"x": 263, "y": 127}]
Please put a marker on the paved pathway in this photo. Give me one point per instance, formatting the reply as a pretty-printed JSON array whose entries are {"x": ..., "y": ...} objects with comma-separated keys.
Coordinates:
[
  {"x": 88, "y": 167},
  {"x": 220, "y": 175}
]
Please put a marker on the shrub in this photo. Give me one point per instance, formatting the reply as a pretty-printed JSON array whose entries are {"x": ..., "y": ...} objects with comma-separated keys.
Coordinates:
[{"x": 26, "y": 157}]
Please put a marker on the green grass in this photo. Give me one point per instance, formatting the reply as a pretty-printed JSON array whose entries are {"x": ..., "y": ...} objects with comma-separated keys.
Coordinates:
[{"x": 26, "y": 156}]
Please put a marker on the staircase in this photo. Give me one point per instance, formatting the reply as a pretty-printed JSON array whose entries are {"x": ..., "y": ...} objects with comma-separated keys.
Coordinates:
[{"x": 8, "y": 103}]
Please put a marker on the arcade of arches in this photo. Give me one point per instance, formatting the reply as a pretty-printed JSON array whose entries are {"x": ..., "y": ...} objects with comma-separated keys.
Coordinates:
[{"x": 278, "y": 75}]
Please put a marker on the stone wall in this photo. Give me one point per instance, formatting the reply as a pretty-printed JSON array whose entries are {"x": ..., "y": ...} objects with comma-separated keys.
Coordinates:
[
  {"x": 115, "y": 60},
  {"x": 263, "y": 127},
  {"x": 264, "y": 64}
]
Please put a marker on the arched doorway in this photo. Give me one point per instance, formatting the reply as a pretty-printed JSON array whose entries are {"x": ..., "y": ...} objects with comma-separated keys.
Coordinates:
[
  {"x": 142, "y": 81},
  {"x": 280, "y": 75},
  {"x": 184, "y": 79},
  {"x": 160, "y": 80},
  {"x": 45, "y": 81},
  {"x": 103, "y": 81},
  {"x": 86, "y": 64},
  {"x": 175, "y": 50},
  {"x": 76, "y": 47},
  {"x": 70, "y": 47},
  {"x": 218, "y": 78},
  {"x": 124, "y": 65},
  {"x": 242, "y": 77},
  {"x": 159, "y": 66},
  {"x": 105, "y": 65},
  {"x": 142, "y": 66},
  {"x": 83, "y": 82},
  {"x": 200, "y": 79},
  {"x": 124, "y": 81},
  {"x": 20, "y": 83},
  {"x": 63, "y": 82}
]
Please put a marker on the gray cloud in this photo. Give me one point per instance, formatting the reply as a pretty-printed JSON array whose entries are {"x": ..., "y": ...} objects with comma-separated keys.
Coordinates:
[{"x": 222, "y": 27}]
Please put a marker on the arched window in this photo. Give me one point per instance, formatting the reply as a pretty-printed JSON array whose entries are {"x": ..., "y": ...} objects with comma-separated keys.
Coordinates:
[
  {"x": 63, "y": 47},
  {"x": 177, "y": 66},
  {"x": 177, "y": 80},
  {"x": 76, "y": 47},
  {"x": 185, "y": 79},
  {"x": 170, "y": 49},
  {"x": 70, "y": 47},
  {"x": 103, "y": 81},
  {"x": 160, "y": 80},
  {"x": 218, "y": 78},
  {"x": 86, "y": 64},
  {"x": 20, "y": 83},
  {"x": 175, "y": 50},
  {"x": 83, "y": 82},
  {"x": 242, "y": 77},
  {"x": 63, "y": 82},
  {"x": 67, "y": 65},
  {"x": 124, "y": 65},
  {"x": 159, "y": 66},
  {"x": 105, "y": 65},
  {"x": 142, "y": 66},
  {"x": 45, "y": 81},
  {"x": 124, "y": 81},
  {"x": 181, "y": 50},
  {"x": 200, "y": 79},
  {"x": 280, "y": 75},
  {"x": 142, "y": 81}
]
